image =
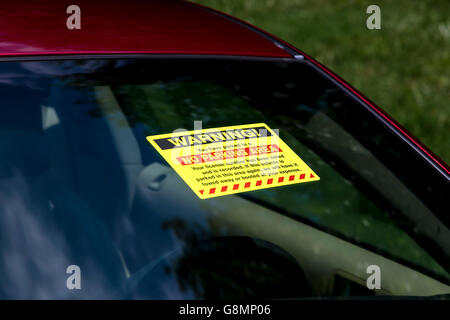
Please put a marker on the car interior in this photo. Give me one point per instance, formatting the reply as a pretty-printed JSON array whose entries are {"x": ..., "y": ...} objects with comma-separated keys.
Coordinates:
[{"x": 79, "y": 184}]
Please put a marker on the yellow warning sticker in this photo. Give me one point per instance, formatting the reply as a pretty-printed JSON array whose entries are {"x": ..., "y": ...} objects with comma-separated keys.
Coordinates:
[{"x": 222, "y": 161}]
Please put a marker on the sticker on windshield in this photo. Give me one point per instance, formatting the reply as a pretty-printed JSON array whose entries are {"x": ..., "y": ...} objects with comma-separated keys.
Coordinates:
[{"x": 222, "y": 161}]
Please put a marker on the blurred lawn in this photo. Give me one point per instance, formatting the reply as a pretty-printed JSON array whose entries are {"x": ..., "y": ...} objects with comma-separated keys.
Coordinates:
[{"x": 404, "y": 67}]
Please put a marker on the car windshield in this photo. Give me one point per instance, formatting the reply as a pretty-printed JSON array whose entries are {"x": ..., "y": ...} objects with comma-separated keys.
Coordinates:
[{"x": 82, "y": 188}]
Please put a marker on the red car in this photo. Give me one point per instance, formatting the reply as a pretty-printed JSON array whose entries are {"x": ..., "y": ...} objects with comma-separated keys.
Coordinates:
[{"x": 163, "y": 150}]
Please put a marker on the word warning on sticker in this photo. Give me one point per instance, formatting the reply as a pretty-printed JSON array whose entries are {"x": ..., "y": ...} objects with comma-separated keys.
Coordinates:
[{"x": 222, "y": 161}]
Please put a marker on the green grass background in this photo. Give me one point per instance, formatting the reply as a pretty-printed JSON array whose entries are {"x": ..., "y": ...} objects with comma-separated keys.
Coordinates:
[{"x": 404, "y": 67}]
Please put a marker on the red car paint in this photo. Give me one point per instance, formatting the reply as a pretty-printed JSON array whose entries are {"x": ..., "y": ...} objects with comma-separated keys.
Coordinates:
[
  {"x": 155, "y": 27},
  {"x": 150, "y": 27}
]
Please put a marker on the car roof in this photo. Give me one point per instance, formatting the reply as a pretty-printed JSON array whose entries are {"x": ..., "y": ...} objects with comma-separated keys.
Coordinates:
[{"x": 128, "y": 27}]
